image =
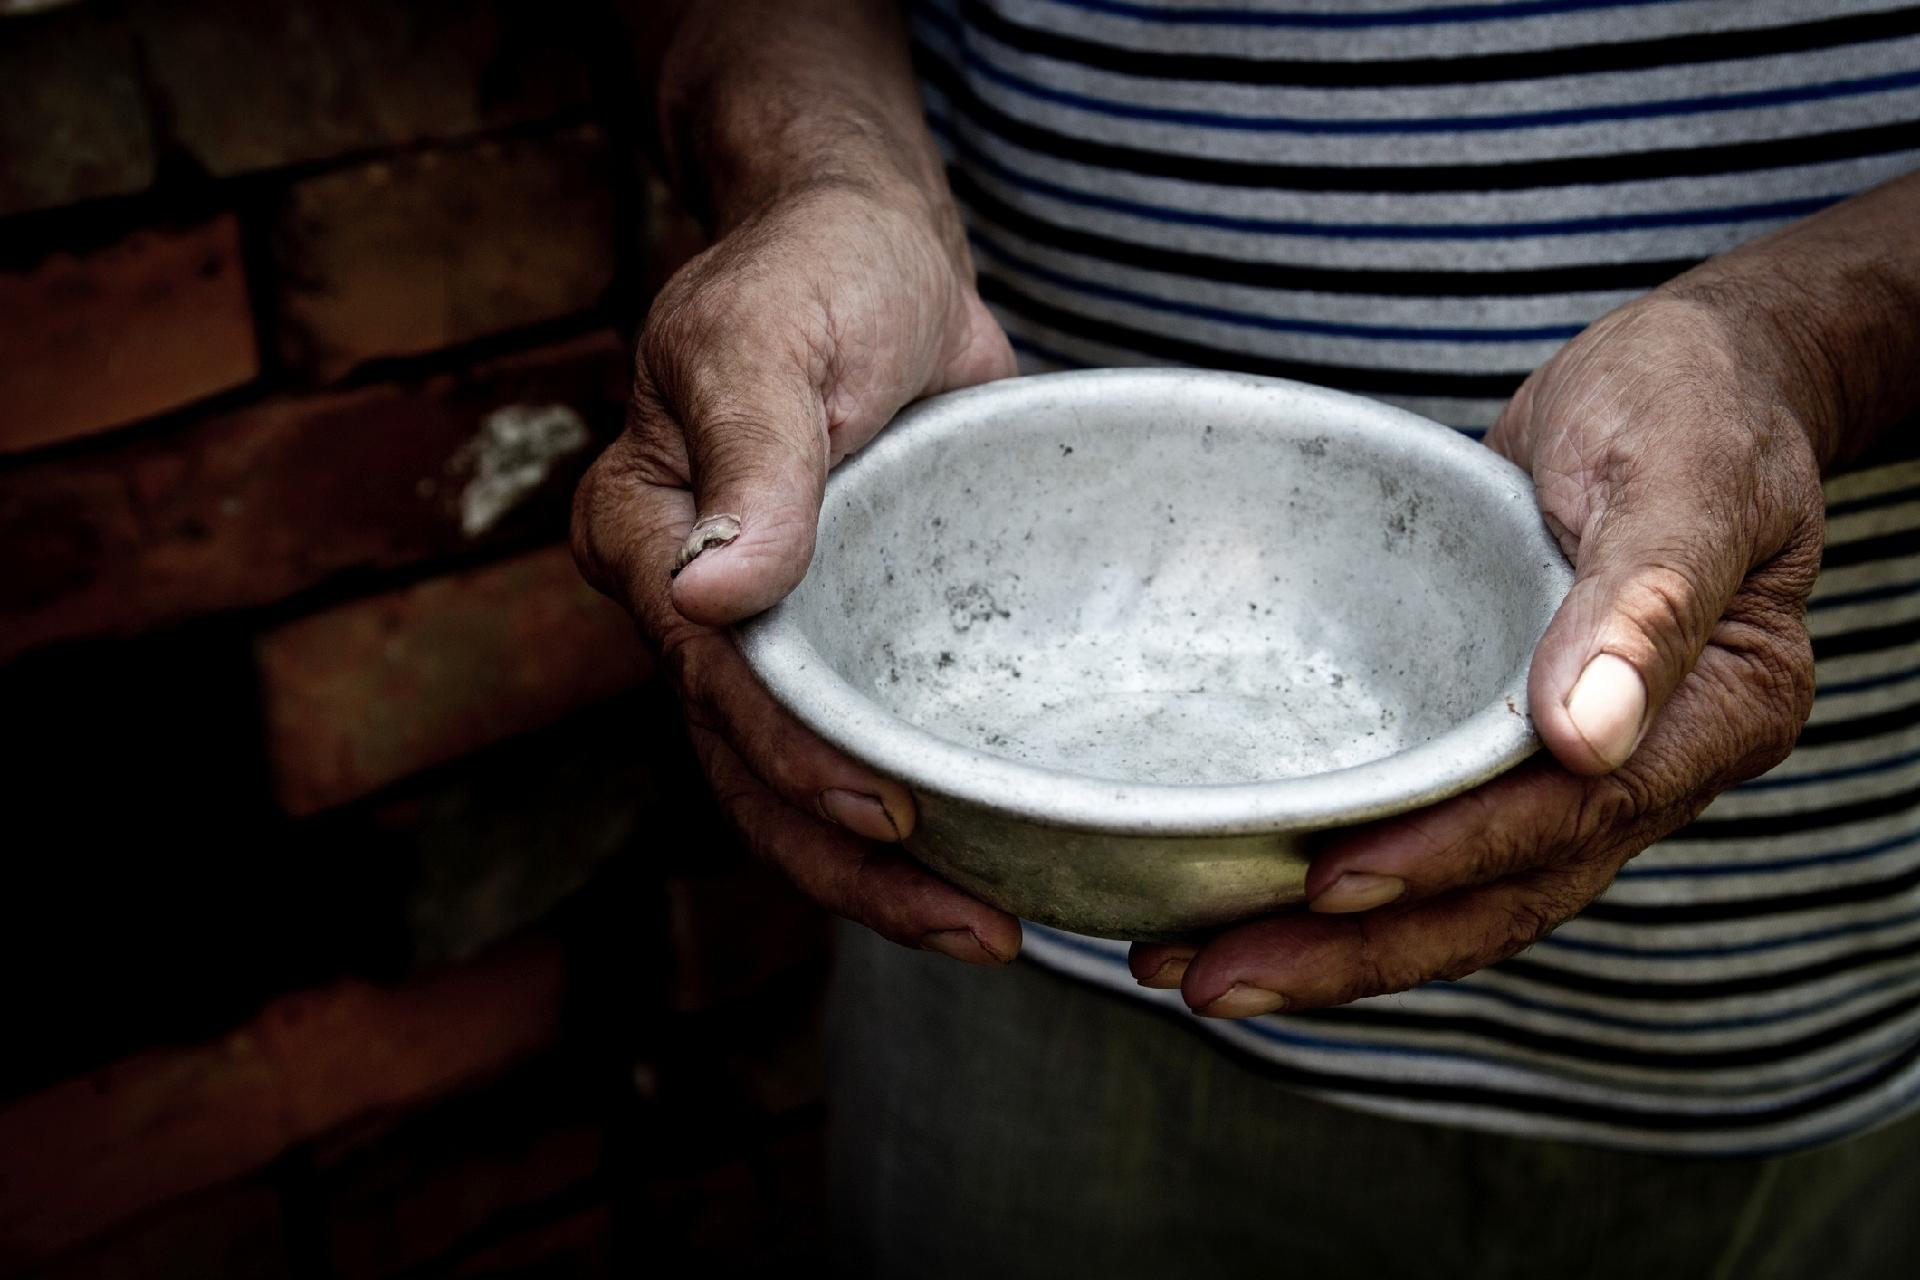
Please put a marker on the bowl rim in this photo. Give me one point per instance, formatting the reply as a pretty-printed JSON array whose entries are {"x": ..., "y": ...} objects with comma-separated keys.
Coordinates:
[{"x": 1491, "y": 740}]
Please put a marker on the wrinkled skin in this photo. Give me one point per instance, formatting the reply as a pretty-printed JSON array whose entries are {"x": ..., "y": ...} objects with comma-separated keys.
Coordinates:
[
  {"x": 1684, "y": 490},
  {"x": 763, "y": 362},
  {"x": 1688, "y": 498}
]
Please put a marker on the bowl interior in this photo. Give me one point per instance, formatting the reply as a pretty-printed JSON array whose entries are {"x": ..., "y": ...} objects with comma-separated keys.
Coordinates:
[{"x": 1153, "y": 584}]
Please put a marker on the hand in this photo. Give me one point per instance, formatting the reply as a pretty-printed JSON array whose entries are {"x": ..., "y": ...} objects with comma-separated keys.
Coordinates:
[
  {"x": 766, "y": 360},
  {"x": 1687, "y": 495}
]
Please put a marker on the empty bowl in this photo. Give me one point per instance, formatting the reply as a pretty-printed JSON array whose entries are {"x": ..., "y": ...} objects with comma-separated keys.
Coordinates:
[{"x": 1131, "y": 636}]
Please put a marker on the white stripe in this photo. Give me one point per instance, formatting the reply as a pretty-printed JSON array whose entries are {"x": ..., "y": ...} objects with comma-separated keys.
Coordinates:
[
  {"x": 1656, "y": 83},
  {"x": 1452, "y": 411},
  {"x": 1447, "y": 312},
  {"x": 1455, "y": 357},
  {"x": 1873, "y": 481},
  {"x": 1678, "y": 851},
  {"x": 1474, "y": 147},
  {"x": 1316, "y": 1046},
  {"x": 1502, "y": 208},
  {"x": 1604, "y": 26}
]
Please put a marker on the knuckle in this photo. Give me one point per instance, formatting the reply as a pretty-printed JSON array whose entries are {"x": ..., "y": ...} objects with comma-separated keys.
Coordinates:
[
  {"x": 786, "y": 769},
  {"x": 1529, "y": 918},
  {"x": 1669, "y": 606},
  {"x": 1780, "y": 680},
  {"x": 584, "y": 526},
  {"x": 1463, "y": 961},
  {"x": 1375, "y": 971},
  {"x": 689, "y": 662},
  {"x": 1611, "y": 803}
]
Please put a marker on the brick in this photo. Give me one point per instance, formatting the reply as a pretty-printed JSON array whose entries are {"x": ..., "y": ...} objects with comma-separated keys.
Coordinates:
[
  {"x": 770, "y": 1050},
  {"x": 497, "y": 843},
  {"x": 736, "y": 930},
  {"x": 74, "y": 126},
  {"x": 257, "y": 84},
  {"x": 248, "y": 507},
  {"x": 235, "y": 1233},
  {"x": 105, "y": 337},
  {"x": 762, "y": 1214},
  {"x": 578, "y": 1246},
  {"x": 364, "y": 694},
  {"x": 94, "y": 1152},
  {"x": 398, "y": 1211},
  {"x": 422, "y": 251}
]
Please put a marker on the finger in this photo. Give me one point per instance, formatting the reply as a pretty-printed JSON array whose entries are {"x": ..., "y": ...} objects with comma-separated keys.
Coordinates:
[
  {"x": 878, "y": 887},
  {"x": 1734, "y": 719},
  {"x": 750, "y": 406},
  {"x": 984, "y": 354},
  {"x": 1305, "y": 961},
  {"x": 723, "y": 697},
  {"x": 631, "y": 514},
  {"x": 1667, "y": 543},
  {"x": 1514, "y": 823}
]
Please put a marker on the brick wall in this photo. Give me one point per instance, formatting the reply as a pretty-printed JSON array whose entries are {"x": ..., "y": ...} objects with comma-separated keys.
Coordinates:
[{"x": 365, "y": 918}]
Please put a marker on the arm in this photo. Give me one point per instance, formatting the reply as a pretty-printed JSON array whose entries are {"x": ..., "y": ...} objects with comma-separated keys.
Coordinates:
[
  {"x": 1676, "y": 449},
  {"x": 1835, "y": 300},
  {"x": 838, "y": 288},
  {"x": 761, "y": 98}
]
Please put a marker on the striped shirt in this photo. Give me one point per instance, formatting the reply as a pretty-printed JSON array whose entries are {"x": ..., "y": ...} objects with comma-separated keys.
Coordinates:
[{"x": 1422, "y": 202}]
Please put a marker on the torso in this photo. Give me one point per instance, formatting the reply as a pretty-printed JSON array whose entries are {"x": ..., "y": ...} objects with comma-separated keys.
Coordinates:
[{"x": 1422, "y": 202}]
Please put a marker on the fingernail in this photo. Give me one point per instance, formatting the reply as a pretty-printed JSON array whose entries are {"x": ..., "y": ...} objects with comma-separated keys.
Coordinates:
[
  {"x": 961, "y": 945},
  {"x": 1358, "y": 891},
  {"x": 1243, "y": 1001},
  {"x": 900, "y": 814},
  {"x": 858, "y": 812},
  {"x": 706, "y": 534},
  {"x": 1167, "y": 976},
  {"x": 1608, "y": 706}
]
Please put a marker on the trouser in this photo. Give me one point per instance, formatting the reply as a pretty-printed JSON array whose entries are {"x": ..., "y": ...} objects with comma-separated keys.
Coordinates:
[{"x": 1019, "y": 1123}]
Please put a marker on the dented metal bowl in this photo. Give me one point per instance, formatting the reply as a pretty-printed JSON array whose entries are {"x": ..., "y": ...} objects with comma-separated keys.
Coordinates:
[{"x": 1131, "y": 635}]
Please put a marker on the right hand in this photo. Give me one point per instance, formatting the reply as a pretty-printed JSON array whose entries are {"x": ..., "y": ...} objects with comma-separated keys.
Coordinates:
[{"x": 766, "y": 360}]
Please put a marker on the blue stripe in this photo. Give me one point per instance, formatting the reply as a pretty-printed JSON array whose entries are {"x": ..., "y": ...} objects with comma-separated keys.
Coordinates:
[
  {"x": 1557, "y": 118},
  {"x": 1527, "y": 1061},
  {"x": 1420, "y": 16},
  {"x": 1865, "y": 683},
  {"x": 1721, "y": 215},
  {"x": 1894, "y": 591},
  {"x": 1771, "y": 783},
  {"x": 1837, "y": 857},
  {"x": 1892, "y": 497},
  {"x": 1468, "y": 987},
  {"x": 1021, "y": 342},
  {"x": 1900, "y": 1103},
  {"x": 1274, "y": 324},
  {"x": 1028, "y": 346},
  {"x": 1825, "y": 1004},
  {"x": 1639, "y": 951},
  {"x": 1276, "y": 1030}
]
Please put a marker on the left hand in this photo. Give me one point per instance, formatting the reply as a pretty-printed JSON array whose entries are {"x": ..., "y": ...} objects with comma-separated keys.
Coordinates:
[{"x": 1686, "y": 493}]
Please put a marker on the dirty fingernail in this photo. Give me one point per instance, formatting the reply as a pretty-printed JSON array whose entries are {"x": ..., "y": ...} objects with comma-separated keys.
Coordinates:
[
  {"x": 706, "y": 534},
  {"x": 1167, "y": 976},
  {"x": 1608, "y": 706},
  {"x": 859, "y": 813},
  {"x": 1358, "y": 891},
  {"x": 1242, "y": 1000},
  {"x": 961, "y": 945},
  {"x": 900, "y": 813}
]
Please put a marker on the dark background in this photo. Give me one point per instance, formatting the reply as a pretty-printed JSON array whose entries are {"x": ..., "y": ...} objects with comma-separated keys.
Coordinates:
[{"x": 364, "y": 915}]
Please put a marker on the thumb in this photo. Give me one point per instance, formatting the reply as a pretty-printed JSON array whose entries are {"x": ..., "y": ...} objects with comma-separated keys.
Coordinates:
[
  {"x": 1654, "y": 572},
  {"x": 757, "y": 453}
]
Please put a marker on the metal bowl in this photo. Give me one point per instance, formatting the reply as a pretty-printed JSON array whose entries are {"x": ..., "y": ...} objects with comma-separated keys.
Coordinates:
[{"x": 1131, "y": 635}]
